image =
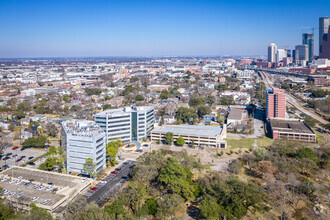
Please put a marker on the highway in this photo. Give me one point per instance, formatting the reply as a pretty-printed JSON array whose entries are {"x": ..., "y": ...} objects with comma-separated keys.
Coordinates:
[
  {"x": 114, "y": 181},
  {"x": 291, "y": 100}
]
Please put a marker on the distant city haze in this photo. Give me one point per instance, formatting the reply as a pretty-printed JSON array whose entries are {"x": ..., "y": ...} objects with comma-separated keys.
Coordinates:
[{"x": 154, "y": 28}]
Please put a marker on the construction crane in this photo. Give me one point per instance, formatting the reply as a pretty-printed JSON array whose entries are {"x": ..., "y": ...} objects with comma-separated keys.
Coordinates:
[{"x": 308, "y": 28}]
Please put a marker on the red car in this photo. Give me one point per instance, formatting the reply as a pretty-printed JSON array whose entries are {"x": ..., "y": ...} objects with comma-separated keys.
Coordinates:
[
  {"x": 114, "y": 172},
  {"x": 14, "y": 148},
  {"x": 94, "y": 188}
]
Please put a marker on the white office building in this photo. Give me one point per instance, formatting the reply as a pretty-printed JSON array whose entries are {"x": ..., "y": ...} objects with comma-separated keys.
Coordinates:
[
  {"x": 128, "y": 123},
  {"x": 281, "y": 53},
  {"x": 272, "y": 50},
  {"x": 82, "y": 139}
]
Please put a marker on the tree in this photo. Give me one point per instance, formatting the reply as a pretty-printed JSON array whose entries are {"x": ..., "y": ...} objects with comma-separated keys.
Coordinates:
[
  {"x": 164, "y": 94},
  {"x": 209, "y": 207},
  {"x": 19, "y": 115},
  {"x": 36, "y": 141},
  {"x": 235, "y": 167},
  {"x": 169, "y": 137},
  {"x": 51, "y": 129},
  {"x": 261, "y": 153},
  {"x": 93, "y": 91},
  {"x": 134, "y": 195},
  {"x": 139, "y": 98},
  {"x": 89, "y": 167},
  {"x": 170, "y": 206},
  {"x": 192, "y": 143},
  {"x": 196, "y": 102},
  {"x": 307, "y": 153},
  {"x": 186, "y": 115},
  {"x": 6, "y": 212},
  {"x": 210, "y": 99},
  {"x": 24, "y": 106},
  {"x": 48, "y": 164},
  {"x": 111, "y": 155},
  {"x": 203, "y": 110},
  {"x": 174, "y": 176},
  {"x": 38, "y": 213},
  {"x": 180, "y": 141},
  {"x": 116, "y": 209}
]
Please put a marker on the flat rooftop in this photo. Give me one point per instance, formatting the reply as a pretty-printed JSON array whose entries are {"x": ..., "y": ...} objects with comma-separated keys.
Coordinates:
[
  {"x": 291, "y": 126},
  {"x": 82, "y": 128},
  {"x": 190, "y": 130},
  {"x": 64, "y": 187},
  {"x": 124, "y": 110},
  {"x": 235, "y": 114}
]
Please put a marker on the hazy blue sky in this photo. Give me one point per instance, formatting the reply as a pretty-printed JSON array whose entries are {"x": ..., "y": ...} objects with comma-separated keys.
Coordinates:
[{"x": 30, "y": 28}]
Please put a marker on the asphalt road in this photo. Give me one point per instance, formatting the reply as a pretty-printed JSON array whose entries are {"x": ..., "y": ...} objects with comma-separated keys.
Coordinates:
[{"x": 113, "y": 181}]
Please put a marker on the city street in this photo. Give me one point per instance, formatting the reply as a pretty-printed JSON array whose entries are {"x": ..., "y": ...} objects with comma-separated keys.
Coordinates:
[{"x": 113, "y": 181}]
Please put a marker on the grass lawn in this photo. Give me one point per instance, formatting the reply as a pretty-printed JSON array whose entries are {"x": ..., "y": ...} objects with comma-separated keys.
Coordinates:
[
  {"x": 233, "y": 142},
  {"x": 265, "y": 141},
  {"x": 320, "y": 139}
]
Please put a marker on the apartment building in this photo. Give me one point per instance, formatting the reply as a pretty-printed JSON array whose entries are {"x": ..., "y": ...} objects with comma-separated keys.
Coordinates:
[
  {"x": 82, "y": 139},
  {"x": 275, "y": 103},
  {"x": 128, "y": 123}
]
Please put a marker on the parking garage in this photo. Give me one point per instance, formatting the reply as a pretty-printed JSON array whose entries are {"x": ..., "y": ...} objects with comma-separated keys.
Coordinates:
[{"x": 51, "y": 191}]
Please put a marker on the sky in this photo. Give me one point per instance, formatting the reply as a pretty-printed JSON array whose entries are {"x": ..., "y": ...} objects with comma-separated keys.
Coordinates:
[{"x": 80, "y": 28}]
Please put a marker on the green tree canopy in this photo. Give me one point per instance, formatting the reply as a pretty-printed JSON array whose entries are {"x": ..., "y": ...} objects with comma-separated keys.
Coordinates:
[
  {"x": 180, "y": 141},
  {"x": 169, "y": 137}
]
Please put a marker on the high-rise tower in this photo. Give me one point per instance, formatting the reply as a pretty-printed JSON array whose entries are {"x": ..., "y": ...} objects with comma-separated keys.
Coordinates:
[
  {"x": 324, "y": 23},
  {"x": 308, "y": 39},
  {"x": 272, "y": 51}
]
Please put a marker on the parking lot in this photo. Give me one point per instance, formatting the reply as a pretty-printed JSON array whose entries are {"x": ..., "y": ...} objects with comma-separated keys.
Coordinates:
[
  {"x": 27, "y": 153},
  {"x": 49, "y": 190}
]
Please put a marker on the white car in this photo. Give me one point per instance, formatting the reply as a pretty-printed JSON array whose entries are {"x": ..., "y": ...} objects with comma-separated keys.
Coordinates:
[
  {"x": 35, "y": 199},
  {"x": 49, "y": 188},
  {"x": 46, "y": 201},
  {"x": 84, "y": 180},
  {"x": 103, "y": 181},
  {"x": 4, "y": 179},
  {"x": 18, "y": 182},
  {"x": 11, "y": 194},
  {"x": 20, "y": 177},
  {"x": 42, "y": 187},
  {"x": 20, "y": 194},
  {"x": 36, "y": 186},
  {"x": 12, "y": 181},
  {"x": 5, "y": 191}
]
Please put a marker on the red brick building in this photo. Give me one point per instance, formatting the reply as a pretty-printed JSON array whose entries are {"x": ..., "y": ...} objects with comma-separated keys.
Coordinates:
[{"x": 275, "y": 103}]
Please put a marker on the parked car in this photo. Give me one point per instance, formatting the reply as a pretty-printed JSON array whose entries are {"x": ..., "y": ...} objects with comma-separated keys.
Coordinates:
[
  {"x": 4, "y": 179},
  {"x": 23, "y": 156},
  {"x": 49, "y": 188},
  {"x": 30, "y": 158},
  {"x": 114, "y": 172},
  {"x": 14, "y": 148},
  {"x": 125, "y": 177},
  {"x": 18, "y": 182},
  {"x": 20, "y": 194},
  {"x": 4, "y": 192},
  {"x": 11, "y": 194},
  {"x": 94, "y": 188},
  {"x": 36, "y": 186},
  {"x": 5, "y": 166},
  {"x": 35, "y": 199},
  {"x": 42, "y": 187},
  {"x": 46, "y": 201},
  {"x": 103, "y": 181},
  {"x": 31, "y": 163},
  {"x": 27, "y": 184},
  {"x": 12, "y": 181},
  {"x": 20, "y": 177},
  {"x": 84, "y": 180}
]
